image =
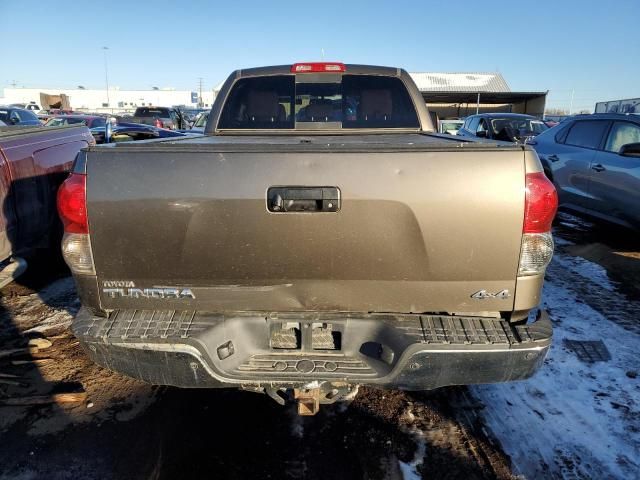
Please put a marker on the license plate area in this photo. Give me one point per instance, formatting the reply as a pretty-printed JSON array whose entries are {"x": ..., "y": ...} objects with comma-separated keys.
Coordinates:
[{"x": 305, "y": 335}]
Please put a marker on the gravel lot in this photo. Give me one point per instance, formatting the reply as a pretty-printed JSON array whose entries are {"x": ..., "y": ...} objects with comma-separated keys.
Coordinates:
[{"x": 577, "y": 418}]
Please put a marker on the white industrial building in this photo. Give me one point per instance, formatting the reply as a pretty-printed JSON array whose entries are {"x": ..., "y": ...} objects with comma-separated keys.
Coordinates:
[{"x": 116, "y": 101}]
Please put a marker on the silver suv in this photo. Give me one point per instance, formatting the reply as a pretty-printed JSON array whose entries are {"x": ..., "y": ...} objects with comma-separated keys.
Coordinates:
[{"x": 594, "y": 162}]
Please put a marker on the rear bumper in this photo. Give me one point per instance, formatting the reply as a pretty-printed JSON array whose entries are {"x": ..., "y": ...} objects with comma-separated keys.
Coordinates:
[{"x": 412, "y": 352}]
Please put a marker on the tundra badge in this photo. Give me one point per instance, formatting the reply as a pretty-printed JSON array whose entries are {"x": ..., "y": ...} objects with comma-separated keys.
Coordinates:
[{"x": 157, "y": 293}]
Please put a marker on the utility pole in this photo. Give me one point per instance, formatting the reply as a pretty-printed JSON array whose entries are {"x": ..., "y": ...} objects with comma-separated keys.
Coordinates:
[
  {"x": 200, "y": 101},
  {"x": 571, "y": 103},
  {"x": 13, "y": 84},
  {"x": 106, "y": 72}
]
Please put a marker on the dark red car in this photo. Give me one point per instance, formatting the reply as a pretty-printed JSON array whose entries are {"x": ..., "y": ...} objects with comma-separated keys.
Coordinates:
[{"x": 33, "y": 163}]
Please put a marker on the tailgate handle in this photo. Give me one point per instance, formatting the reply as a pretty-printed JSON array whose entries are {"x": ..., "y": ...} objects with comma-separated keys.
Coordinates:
[{"x": 303, "y": 199}]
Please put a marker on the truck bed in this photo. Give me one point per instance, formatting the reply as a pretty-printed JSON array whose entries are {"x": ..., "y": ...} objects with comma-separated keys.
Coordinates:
[{"x": 295, "y": 142}]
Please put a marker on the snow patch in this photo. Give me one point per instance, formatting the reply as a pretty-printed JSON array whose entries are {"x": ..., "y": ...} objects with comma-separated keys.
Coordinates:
[
  {"x": 410, "y": 470},
  {"x": 586, "y": 269},
  {"x": 572, "y": 420}
]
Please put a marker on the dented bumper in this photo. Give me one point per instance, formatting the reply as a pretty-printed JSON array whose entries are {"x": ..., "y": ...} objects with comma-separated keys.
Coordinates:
[{"x": 413, "y": 352}]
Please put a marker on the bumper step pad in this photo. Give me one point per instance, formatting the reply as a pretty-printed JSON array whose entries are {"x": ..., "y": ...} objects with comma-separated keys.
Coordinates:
[{"x": 409, "y": 351}]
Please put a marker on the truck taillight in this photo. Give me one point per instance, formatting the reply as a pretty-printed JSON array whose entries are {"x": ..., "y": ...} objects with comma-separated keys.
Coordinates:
[
  {"x": 72, "y": 208},
  {"x": 72, "y": 204},
  {"x": 159, "y": 123},
  {"x": 318, "y": 67},
  {"x": 76, "y": 250},
  {"x": 540, "y": 205}
]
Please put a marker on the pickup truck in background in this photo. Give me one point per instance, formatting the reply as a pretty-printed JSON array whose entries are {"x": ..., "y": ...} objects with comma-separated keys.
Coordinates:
[
  {"x": 317, "y": 237},
  {"x": 34, "y": 161},
  {"x": 161, "y": 117}
]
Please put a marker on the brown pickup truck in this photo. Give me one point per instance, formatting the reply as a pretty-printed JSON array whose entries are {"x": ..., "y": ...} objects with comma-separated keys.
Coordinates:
[
  {"x": 34, "y": 161},
  {"x": 319, "y": 236}
]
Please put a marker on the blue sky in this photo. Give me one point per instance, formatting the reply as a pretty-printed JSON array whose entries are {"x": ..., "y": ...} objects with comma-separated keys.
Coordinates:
[{"x": 589, "y": 47}]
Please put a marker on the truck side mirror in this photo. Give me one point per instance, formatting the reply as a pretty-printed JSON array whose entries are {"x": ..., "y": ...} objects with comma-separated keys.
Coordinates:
[
  {"x": 481, "y": 134},
  {"x": 630, "y": 150}
]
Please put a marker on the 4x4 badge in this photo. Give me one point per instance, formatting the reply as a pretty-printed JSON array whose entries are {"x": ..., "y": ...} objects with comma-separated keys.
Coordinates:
[{"x": 483, "y": 295}]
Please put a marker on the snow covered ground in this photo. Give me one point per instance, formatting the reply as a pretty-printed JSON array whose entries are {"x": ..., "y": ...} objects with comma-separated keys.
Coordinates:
[{"x": 573, "y": 419}]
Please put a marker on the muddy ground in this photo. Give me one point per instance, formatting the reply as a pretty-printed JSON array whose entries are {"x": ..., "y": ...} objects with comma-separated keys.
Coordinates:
[{"x": 127, "y": 429}]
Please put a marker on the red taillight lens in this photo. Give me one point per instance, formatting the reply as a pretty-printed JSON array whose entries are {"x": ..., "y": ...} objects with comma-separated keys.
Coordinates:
[
  {"x": 318, "y": 67},
  {"x": 540, "y": 204},
  {"x": 159, "y": 123},
  {"x": 72, "y": 204}
]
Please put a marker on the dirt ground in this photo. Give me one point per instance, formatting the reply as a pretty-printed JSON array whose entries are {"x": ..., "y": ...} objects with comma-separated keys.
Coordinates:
[{"x": 128, "y": 429}]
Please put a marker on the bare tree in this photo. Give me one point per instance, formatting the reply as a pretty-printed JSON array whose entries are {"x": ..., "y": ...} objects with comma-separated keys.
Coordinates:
[{"x": 556, "y": 111}]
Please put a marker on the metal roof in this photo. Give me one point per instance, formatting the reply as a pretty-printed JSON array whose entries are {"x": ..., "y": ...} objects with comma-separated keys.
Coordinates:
[
  {"x": 485, "y": 97},
  {"x": 460, "y": 82}
]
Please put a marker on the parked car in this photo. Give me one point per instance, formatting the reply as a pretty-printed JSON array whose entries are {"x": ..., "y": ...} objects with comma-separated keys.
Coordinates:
[
  {"x": 33, "y": 164},
  {"x": 277, "y": 253},
  {"x": 18, "y": 116},
  {"x": 508, "y": 127},
  {"x": 161, "y": 117},
  {"x": 126, "y": 132},
  {"x": 594, "y": 162},
  {"x": 450, "y": 126},
  {"x": 91, "y": 121}
]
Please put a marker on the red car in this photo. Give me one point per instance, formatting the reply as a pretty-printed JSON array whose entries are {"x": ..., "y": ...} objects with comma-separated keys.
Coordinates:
[{"x": 33, "y": 163}]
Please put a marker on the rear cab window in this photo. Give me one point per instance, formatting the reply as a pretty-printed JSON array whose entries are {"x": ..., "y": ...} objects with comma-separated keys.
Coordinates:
[
  {"x": 59, "y": 121},
  {"x": 319, "y": 102},
  {"x": 152, "y": 112},
  {"x": 29, "y": 115},
  {"x": 586, "y": 133},
  {"x": 98, "y": 122}
]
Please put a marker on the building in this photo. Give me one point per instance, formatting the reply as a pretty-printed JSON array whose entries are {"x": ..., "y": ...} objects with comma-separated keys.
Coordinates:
[
  {"x": 462, "y": 94},
  {"x": 97, "y": 100},
  {"x": 446, "y": 95},
  {"x": 629, "y": 105}
]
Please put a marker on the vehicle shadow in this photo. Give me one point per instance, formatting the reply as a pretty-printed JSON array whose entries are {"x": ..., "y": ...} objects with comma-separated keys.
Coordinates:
[
  {"x": 25, "y": 394},
  {"x": 33, "y": 311},
  {"x": 615, "y": 248},
  {"x": 80, "y": 439},
  {"x": 240, "y": 435}
]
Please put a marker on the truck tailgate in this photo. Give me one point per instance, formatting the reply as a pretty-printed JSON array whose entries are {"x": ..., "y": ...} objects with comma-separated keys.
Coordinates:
[{"x": 417, "y": 230}]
